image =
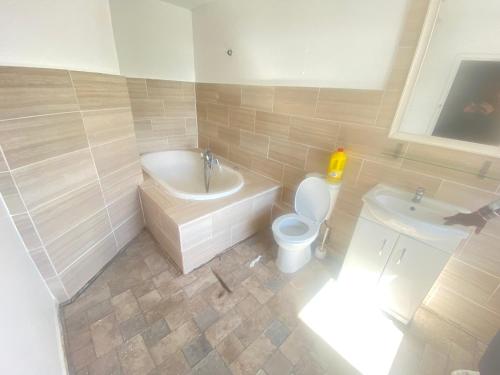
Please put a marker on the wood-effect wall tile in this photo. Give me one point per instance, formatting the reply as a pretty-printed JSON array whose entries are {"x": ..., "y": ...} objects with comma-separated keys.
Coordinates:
[
  {"x": 258, "y": 97},
  {"x": 137, "y": 88},
  {"x": 124, "y": 207},
  {"x": 272, "y": 124},
  {"x": 27, "y": 231},
  {"x": 288, "y": 153},
  {"x": 115, "y": 155},
  {"x": 108, "y": 125},
  {"x": 10, "y": 194},
  {"x": 121, "y": 182},
  {"x": 242, "y": 118},
  {"x": 317, "y": 133}
]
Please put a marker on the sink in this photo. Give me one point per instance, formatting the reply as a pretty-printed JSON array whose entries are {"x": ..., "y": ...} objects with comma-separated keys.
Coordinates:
[{"x": 423, "y": 221}]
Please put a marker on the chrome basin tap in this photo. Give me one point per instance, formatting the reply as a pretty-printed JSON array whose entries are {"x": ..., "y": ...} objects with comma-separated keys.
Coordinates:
[
  {"x": 208, "y": 162},
  {"x": 419, "y": 194}
]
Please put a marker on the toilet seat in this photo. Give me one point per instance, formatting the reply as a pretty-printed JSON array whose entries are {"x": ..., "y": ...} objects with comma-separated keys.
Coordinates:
[{"x": 294, "y": 228}]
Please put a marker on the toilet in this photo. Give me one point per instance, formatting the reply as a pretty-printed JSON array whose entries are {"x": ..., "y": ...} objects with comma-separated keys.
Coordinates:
[{"x": 294, "y": 233}]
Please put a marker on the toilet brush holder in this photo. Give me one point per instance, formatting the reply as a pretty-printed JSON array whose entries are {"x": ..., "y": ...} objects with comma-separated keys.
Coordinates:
[{"x": 320, "y": 251}]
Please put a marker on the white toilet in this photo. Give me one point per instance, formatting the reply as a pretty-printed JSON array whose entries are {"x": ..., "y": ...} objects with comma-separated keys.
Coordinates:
[{"x": 294, "y": 233}]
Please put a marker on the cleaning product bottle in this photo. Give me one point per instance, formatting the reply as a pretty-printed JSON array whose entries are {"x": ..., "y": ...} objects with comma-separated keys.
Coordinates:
[{"x": 336, "y": 166}]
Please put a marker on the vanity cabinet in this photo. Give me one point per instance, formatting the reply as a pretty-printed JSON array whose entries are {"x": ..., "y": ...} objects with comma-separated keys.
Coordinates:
[{"x": 397, "y": 269}]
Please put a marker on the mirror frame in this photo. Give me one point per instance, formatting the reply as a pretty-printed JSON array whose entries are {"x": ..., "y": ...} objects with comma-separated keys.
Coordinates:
[{"x": 424, "y": 41}]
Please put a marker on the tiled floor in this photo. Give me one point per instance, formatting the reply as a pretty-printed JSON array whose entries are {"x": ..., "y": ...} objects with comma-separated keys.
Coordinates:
[{"x": 142, "y": 317}]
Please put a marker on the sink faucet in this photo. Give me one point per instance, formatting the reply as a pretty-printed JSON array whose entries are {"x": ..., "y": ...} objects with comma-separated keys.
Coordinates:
[
  {"x": 419, "y": 194},
  {"x": 208, "y": 162}
]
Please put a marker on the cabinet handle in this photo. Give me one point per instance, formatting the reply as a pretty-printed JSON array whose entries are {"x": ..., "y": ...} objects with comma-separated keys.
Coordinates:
[
  {"x": 401, "y": 256},
  {"x": 382, "y": 247}
]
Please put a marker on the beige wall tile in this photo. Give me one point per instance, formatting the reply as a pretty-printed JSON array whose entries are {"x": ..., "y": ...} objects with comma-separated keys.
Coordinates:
[
  {"x": 219, "y": 147},
  {"x": 113, "y": 156},
  {"x": 44, "y": 181},
  {"x": 3, "y": 164},
  {"x": 468, "y": 281},
  {"x": 236, "y": 213},
  {"x": 218, "y": 114},
  {"x": 31, "y": 91},
  {"x": 203, "y": 141},
  {"x": 299, "y": 101},
  {"x": 317, "y": 160},
  {"x": 313, "y": 132},
  {"x": 144, "y": 109},
  {"x": 151, "y": 145},
  {"x": 201, "y": 110},
  {"x": 272, "y": 124},
  {"x": 180, "y": 107},
  {"x": 137, "y": 87},
  {"x": 60, "y": 215},
  {"x": 480, "y": 322},
  {"x": 42, "y": 263},
  {"x": 183, "y": 142},
  {"x": 109, "y": 125},
  {"x": 242, "y": 118},
  {"x": 206, "y": 92},
  {"x": 123, "y": 208},
  {"x": 292, "y": 176},
  {"x": 122, "y": 181},
  {"x": 254, "y": 143},
  {"x": 129, "y": 230},
  {"x": 191, "y": 126},
  {"x": 355, "y": 106},
  {"x": 163, "y": 88},
  {"x": 266, "y": 167},
  {"x": 494, "y": 301},
  {"x": 57, "y": 289},
  {"x": 10, "y": 194},
  {"x": 89, "y": 265},
  {"x": 27, "y": 231},
  {"x": 169, "y": 126},
  {"x": 239, "y": 156},
  {"x": 482, "y": 252},
  {"x": 29, "y": 140},
  {"x": 99, "y": 91},
  {"x": 229, "y": 94},
  {"x": 388, "y": 108},
  {"x": 72, "y": 244},
  {"x": 195, "y": 232},
  {"x": 207, "y": 128},
  {"x": 258, "y": 97},
  {"x": 228, "y": 135},
  {"x": 288, "y": 153},
  {"x": 205, "y": 251}
]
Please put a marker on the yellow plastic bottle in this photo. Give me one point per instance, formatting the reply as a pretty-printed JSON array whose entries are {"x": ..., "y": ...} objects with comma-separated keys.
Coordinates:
[{"x": 336, "y": 166}]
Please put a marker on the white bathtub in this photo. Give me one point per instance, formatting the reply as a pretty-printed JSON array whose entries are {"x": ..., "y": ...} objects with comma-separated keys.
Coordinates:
[{"x": 181, "y": 173}]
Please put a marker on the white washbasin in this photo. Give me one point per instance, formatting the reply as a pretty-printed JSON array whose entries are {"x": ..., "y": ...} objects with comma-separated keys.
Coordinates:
[{"x": 424, "y": 220}]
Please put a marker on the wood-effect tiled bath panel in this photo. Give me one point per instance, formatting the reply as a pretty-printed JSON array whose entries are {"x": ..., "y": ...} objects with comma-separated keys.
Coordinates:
[
  {"x": 285, "y": 132},
  {"x": 69, "y": 170}
]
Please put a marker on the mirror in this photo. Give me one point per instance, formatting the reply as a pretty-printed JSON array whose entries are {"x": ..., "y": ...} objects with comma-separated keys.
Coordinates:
[{"x": 452, "y": 94}]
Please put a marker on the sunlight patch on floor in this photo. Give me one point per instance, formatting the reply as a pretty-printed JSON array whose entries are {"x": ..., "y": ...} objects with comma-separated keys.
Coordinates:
[{"x": 354, "y": 327}]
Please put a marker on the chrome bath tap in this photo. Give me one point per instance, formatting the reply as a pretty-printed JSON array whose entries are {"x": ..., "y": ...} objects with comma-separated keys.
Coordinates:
[
  {"x": 419, "y": 194},
  {"x": 208, "y": 162}
]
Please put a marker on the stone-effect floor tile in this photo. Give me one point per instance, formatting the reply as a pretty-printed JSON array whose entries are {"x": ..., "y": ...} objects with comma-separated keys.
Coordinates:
[
  {"x": 134, "y": 357},
  {"x": 278, "y": 364},
  {"x": 82, "y": 357},
  {"x": 155, "y": 332},
  {"x": 173, "y": 342},
  {"x": 277, "y": 332},
  {"x": 133, "y": 326},
  {"x": 247, "y": 306},
  {"x": 223, "y": 327},
  {"x": 261, "y": 293},
  {"x": 212, "y": 364},
  {"x": 149, "y": 300},
  {"x": 105, "y": 334},
  {"x": 253, "y": 326},
  {"x": 125, "y": 306},
  {"x": 230, "y": 348},
  {"x": 174, "y": 364},
  {"x": 108, "y": 364},
  {"x": 196, "y": 350},
  {"x": 99, "y": 311},
  {"x": 206, "y": 318},
  {"x": 254, "y": 357}
]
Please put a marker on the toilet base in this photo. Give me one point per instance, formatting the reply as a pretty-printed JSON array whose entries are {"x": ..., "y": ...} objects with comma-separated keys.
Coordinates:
[{"x": 291, "y": 260}]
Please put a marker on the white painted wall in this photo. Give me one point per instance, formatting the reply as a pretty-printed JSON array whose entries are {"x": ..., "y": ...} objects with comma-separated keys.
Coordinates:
[
  {"x": 70, "y": 34},
  {"x": 154, "y": 39},
  {"x": 332, "y": 43},
  {"x": 455, "y": 37},
  {"x": 30, "y": 341}
]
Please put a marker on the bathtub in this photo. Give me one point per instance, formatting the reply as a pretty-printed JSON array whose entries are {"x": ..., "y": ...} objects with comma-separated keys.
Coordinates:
[{"x": 180, "y": 172}]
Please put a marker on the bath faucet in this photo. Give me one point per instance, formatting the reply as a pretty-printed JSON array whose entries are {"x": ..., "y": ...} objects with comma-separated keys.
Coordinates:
[
  {"x": 419, "y": 194},
  {"x": 208, "y": 162}
]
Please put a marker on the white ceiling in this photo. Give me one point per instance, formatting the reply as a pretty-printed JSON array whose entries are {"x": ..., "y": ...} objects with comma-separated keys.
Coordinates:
[{"x": 188, "y": 4}]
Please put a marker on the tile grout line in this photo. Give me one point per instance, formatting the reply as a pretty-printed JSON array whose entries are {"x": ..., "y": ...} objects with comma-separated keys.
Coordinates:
[
  {"x": 93, "y": 161},
  {"x": 38, "y": 235}
]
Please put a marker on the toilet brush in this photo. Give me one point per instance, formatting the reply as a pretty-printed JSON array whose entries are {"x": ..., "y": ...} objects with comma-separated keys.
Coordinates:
[{"x": 320, "y": 251}]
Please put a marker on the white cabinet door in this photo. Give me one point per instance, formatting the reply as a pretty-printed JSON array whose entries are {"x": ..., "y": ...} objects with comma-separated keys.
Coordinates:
[
  {"x": 369, "y": 250},
  {"x": 409, "y": 275}
]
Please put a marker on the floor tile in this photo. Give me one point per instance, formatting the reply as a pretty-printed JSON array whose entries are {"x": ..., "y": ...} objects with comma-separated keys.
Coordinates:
[
  {"x": 230, "y": 348},
  {"x": 105, "y": 334},
  {"x": 277, "y": 332},
  {"x": 155, "y": 332},
  {"x": 212, "y": 364},
  {"x": 196, "y": 350},
  {"x": 206, "y": 318},
  {"x": 278, "y": 364},
  {"x": 133, "y": 326},
  {"x": 134, "y": 357}
]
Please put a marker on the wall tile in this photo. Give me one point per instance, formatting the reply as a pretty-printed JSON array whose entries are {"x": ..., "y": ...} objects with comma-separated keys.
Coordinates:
[
  {"x": 482, "y": 252},
  {"x": 242, "y": 119},
  {"x": 107, "y": 126},
  {"x": 258, "y": 97},
  {"x": 292, "y": 176},
  {"x": 317, "y": 133},
  {"x": 239, "y": 156},
  {"x": 195, "y": 232},
  {"x": 123, "y": 208},
  {"x": 31, "y": 91},
  {"x": 10, "y": 194},
  {"x": 266, "y": 167},
  {"x": 228, "y": 135},
  {"x": 295, "y": 100},
  {"x": 356, "y": 106},
  {"x": 3, "y": 164},
  {"x": 87, "y": 267},
  {"x": 388, "y": 108},
  {"x": 64, "y": 250},
  {"x": 60, "y": 215},
  {"x": 163, "y": 88},
  {"x": 207, "y": 128},
  {"x": 57, "y": 289},
  {"x": 180, "y": 107},
  {"x": 169, "y": 126},
  {"x": 144, "y": 109},
  {"x": 272, "y": 124},
  {"x": 229, "y": 94},
  {"x": 219, "y": 147},
  {"x": 27, "y": 231},
  {"x": 206, "y": 92},
  {"x": 121, "y": 182},
  {"x": 254, "y": 143},
  {"x": 183, "y": 142},
  {"x": 137, "y": 87},
  {"x": 288, "y": 153},
  {"x": 29, "y": 140},
  {"x": 129, "y": 230},
  {"x": 43, "y": 264},
  {"x": 218, "y": 114},
  {"x": 99, "y": 91},
  {"x": 191, "y": 126},
  {"x": 44, "y": 181},
  {"x": 494, "y": 301},
  {"x": 317, "y": 160},
  {"x": 113, "y": 156},
  {"x": 236, "y": 213}
]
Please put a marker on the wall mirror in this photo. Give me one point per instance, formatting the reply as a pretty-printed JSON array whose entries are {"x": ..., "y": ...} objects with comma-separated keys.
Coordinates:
[{"x": 452, "y": 94}]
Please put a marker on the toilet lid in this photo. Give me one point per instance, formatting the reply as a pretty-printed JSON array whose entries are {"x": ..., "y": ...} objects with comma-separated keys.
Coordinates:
[{"x": 312, "y": 199}]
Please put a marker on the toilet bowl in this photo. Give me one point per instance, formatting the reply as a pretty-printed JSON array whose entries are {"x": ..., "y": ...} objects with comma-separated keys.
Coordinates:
[{"x": 295, "y": 232}]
